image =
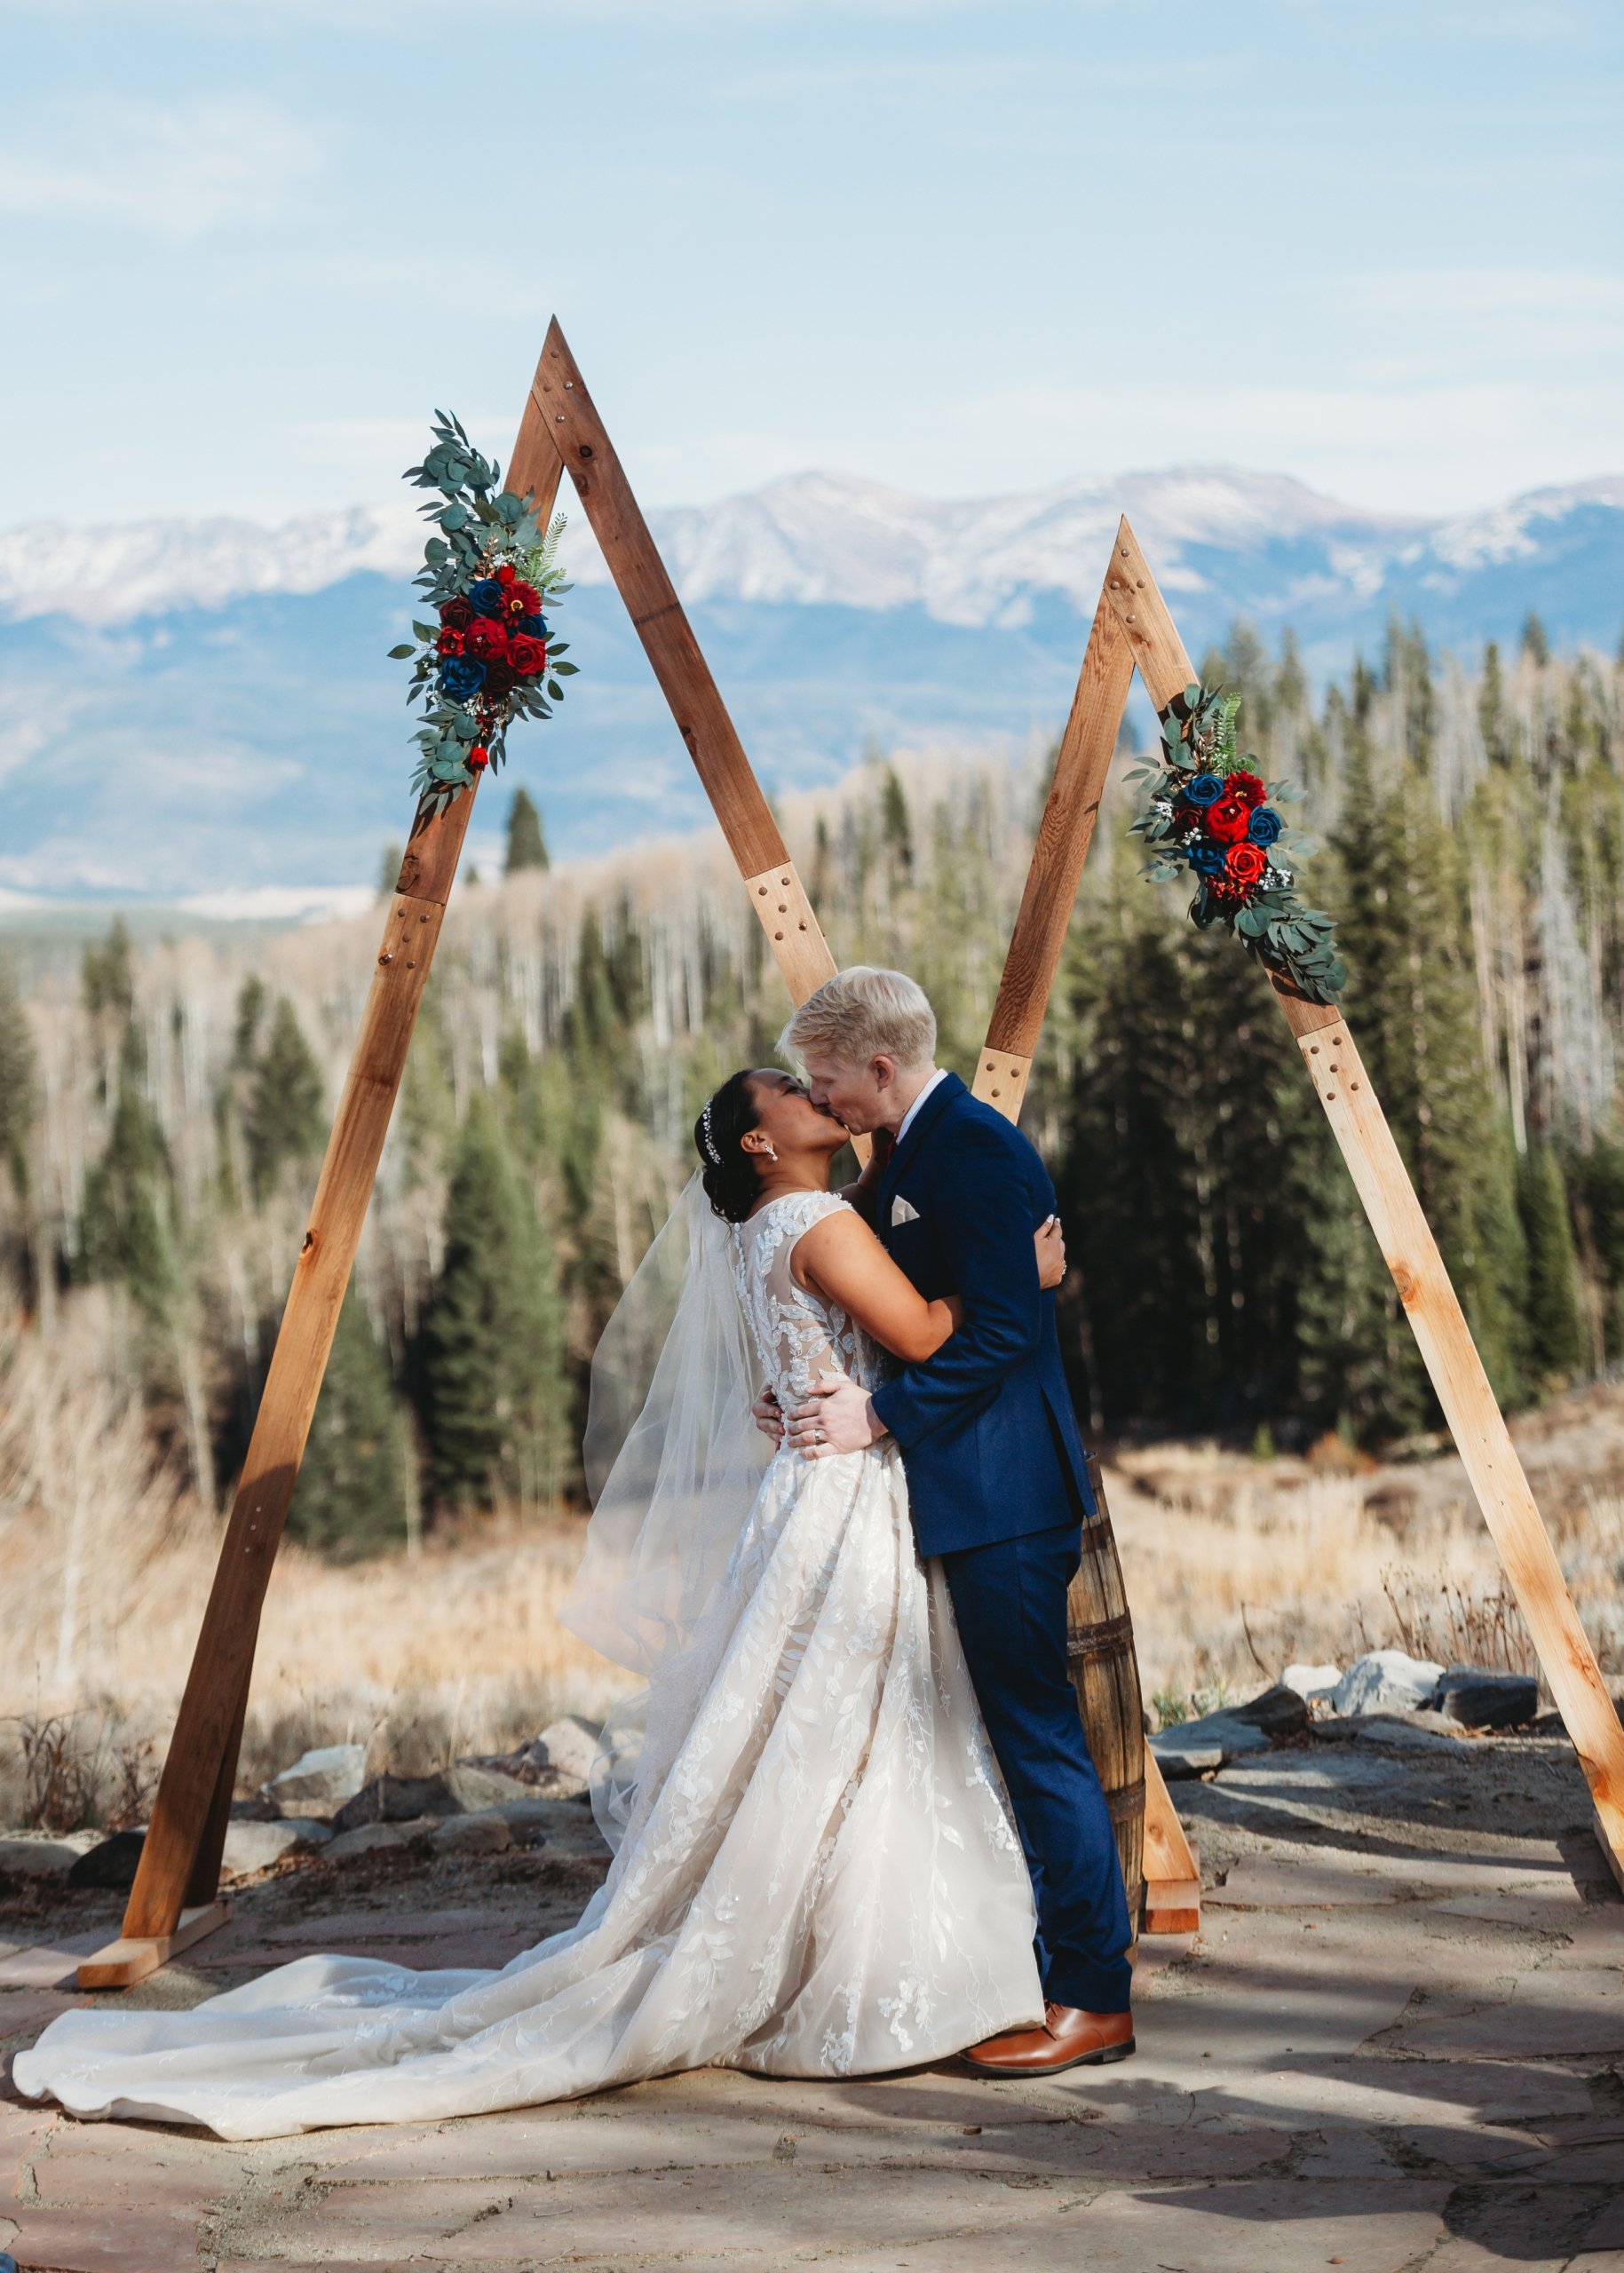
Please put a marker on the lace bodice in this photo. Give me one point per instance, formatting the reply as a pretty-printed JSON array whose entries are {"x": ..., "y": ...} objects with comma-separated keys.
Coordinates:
[{"x": 798, "y": 1334}]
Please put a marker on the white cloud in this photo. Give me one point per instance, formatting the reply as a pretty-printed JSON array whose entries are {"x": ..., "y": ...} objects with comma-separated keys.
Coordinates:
[{"x": 176, "y": 170}]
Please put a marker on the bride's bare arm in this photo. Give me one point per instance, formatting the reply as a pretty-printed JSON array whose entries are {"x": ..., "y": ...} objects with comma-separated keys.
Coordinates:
[{"x": 841, "y": 1259}]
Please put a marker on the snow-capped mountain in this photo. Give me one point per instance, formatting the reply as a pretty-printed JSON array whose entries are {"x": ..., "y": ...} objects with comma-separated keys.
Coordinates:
[
  {"x": 810, "y": 540},
  {"x": 193, "y": 707}
]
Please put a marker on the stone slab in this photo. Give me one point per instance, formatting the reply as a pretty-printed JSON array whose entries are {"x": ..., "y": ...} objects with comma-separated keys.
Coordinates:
[
  {"x": 42, "y": 1965},
  {"x": 1259, "y": 2228},
  {"x": 707, "y": 2219},
  {"x": 1318, "y": 1877},
  {"x": 26, "y": 2010},
  {"x": 1552, "y": 2015}
]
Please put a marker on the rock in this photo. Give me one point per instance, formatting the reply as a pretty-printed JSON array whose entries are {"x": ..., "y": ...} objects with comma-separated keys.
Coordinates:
[
  {"x": 396, "y": 1799},
  {"x": 1178, "y": 1761},
  {"x": 363, "y": 1840},
  {"x": 44, "y": 1854},
  {"x": 1196, "y": 1748},
  {"x": 1480, "y": 1699},
  {"x": 1386, "y": 1681},
  {"x": 535, "y": 1821},
  {"x": 569, "y": 1747},
  {"x": 1279, "y": 1711},
  {"x": 1414, "y": 1732},
  {"x": 475, "y": 1784},
  {"x": 111, "y": 1864},
  {"x": 320, "y": 1782},
  {"x": 252, "y": 1847},
  {"x": 1311, "y": 1681},
  {"x": 258, "y": 1810},
  {"x": 485, "y": 1833}
]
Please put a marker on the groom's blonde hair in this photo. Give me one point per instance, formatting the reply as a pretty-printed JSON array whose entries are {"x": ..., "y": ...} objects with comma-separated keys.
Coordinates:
[{"x": 864, "y": 1013}]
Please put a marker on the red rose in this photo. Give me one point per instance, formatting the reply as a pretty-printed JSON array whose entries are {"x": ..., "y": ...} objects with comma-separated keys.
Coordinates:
[
  {"x": 1227, "y": 818},
  {"x": 498, "y": 682},
  {"x": 457, "y": 614},
  {"x": 487, "y": 640},
  {"x": 506, "y": 572},
  {"x": 451, "y": 642},
  {"x": 479, "y": 755},
  {"x": 522, "y": 599},
  {"x": 1245, "y": 785},
  {"x": 527, "y": 656},
  {"x": 1244, "y": 863}
]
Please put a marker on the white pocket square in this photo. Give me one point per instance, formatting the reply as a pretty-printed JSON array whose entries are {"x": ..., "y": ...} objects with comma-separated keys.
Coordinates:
[{"x": 903, "y": 1211}]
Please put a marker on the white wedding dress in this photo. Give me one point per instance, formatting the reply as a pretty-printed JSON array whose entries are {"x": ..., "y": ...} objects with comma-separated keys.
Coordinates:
[{"x": 818, "y": 1876}]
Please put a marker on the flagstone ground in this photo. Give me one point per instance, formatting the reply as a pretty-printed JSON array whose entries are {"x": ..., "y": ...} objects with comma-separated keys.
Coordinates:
[{"x": 1397, "y": 2043}]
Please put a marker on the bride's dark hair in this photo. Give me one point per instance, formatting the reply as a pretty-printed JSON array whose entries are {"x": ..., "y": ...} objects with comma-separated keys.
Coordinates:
[{"x": 729, "y": 1172}]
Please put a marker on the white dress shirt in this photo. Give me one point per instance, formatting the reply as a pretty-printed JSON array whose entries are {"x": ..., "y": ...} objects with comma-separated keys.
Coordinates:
[{"x": 935, "y": 1081}]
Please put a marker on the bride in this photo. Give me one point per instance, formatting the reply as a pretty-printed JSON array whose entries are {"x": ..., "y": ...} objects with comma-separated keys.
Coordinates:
[{"x": 816, "y": 1873}]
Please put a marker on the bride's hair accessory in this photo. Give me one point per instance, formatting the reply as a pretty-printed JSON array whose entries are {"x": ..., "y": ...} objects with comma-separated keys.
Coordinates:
[
  {"x": 707, "y": 1141},
  {"x": 729, "y": 1171}
]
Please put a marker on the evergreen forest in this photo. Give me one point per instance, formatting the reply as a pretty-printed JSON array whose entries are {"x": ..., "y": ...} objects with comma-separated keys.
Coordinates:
[{"x": 164, "y": 1105}]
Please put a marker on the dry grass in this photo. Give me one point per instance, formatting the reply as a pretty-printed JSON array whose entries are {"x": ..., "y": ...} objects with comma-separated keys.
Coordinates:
[
  {"x": 105, "y": 1569},
  {"x": 1235, "y": 1567}
]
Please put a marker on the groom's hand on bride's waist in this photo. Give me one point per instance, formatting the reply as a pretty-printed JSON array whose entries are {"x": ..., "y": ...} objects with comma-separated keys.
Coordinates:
[
  {"x": 768, "y": 1417},
  {"x": 838, "y": 1417}
]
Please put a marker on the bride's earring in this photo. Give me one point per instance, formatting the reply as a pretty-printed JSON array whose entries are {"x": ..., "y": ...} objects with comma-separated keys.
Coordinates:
[{"x": 767, "y": 1149}]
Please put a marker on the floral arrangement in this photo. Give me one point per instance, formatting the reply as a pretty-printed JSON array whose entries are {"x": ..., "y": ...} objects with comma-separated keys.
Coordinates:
[
  {"x": 490, "y": 657},
  {"x": 1209, "y": 811}
]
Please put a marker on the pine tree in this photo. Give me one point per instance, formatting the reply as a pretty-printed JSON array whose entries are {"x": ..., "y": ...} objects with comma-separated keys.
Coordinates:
[
  {"x": 287, "y": 1108},
  {"x": 498, "y": 1401},
  {"x": 1536, "y": 645},
  {"x": 351, "y": 1497},
  {"x": 1412, "y": 1000},
  {"x": 127, "y": 1233},
  {"x": 389, "y": 870},
  {"x": 18, "y": 1084},
  {"x": 896, "y": 824},
  {"x": 526, "y": 845},
  {"x": 1556, "y": 1332},
  {"x": 1596, "y": 1181},
  {"x": 1492, "y": 720},
  {"x": 108, "y": 978}
]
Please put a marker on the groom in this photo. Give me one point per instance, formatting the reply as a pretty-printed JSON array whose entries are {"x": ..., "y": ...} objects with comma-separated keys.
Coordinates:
[{"x": 997, "y": 1480}]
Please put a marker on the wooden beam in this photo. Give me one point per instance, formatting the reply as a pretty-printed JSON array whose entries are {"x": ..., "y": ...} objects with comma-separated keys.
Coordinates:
[
  {"x": 1172, "y": 1872},
  {"x": 121, "y": 1964},
  {"x": 560, "y": 396},
  {"x": 180, "y": 1857},
  {"x": 1382, "y": 1183},
  {"x": 212, "y": 1704},
  {"x": 1065, "y": 833}
]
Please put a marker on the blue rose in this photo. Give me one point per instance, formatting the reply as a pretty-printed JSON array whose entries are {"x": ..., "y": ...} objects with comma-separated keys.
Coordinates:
[
  {"x": 1204, "y": 790},
  {"x": 484, "y": 596},
  {"x": 1205, "y": 857},
  {"x": 534, "y": 625},
  {"x": 1264, "y": 824},
  {"x": 461, "y": 677}
]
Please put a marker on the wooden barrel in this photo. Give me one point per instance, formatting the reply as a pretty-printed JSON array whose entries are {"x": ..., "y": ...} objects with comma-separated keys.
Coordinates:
[{"x": 1099, "y": 1656}]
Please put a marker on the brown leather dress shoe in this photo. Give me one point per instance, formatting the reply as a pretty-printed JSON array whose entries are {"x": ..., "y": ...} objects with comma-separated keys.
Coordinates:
[{"x": 1067, "y": 2038}]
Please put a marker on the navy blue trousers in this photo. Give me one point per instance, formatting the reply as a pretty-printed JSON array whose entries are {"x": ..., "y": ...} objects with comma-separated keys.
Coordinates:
[{"x": 1010, "y": 1602}]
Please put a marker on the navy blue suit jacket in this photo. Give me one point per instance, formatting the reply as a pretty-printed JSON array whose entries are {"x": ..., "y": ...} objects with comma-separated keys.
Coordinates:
[{"x": 989, "y": 1440}]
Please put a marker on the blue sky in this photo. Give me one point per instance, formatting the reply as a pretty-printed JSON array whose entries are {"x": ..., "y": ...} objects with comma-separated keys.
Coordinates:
[{"x": 246, "y": 245}]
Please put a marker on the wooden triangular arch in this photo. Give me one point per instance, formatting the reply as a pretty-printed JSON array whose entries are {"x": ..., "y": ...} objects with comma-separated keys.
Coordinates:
[{"x": 174, "y": 1898}]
